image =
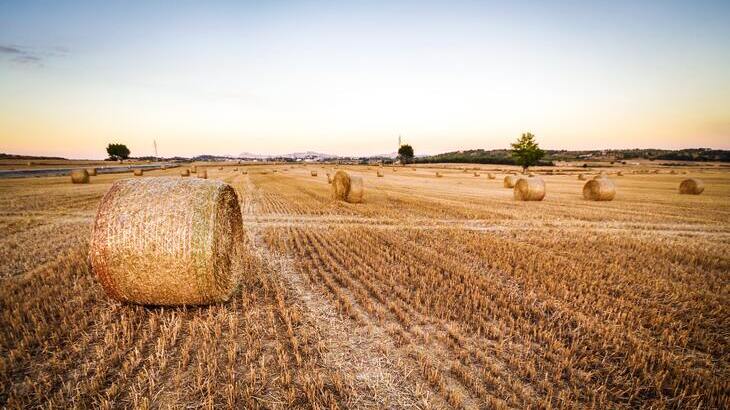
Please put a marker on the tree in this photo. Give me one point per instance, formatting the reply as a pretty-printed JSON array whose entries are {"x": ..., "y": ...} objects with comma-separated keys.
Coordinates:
[
  {"x": 526, "y": 152},
  {"x": 405, "y": 153},
  {"x": 117, "y": 151}
]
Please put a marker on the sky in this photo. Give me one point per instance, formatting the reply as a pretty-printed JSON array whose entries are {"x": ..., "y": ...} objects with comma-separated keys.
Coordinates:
[{"x": 347, "y": 78}]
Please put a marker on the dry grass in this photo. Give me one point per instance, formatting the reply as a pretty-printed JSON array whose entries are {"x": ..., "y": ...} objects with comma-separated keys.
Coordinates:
[{"x": 434, "y": 293}]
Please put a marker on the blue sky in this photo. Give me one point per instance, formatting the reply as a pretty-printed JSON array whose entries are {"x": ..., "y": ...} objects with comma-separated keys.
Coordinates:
[{"x": 347, "y": 78}]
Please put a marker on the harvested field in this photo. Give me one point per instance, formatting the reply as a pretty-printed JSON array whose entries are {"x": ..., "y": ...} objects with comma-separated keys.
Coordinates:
[{"x": 432, "y": 293}]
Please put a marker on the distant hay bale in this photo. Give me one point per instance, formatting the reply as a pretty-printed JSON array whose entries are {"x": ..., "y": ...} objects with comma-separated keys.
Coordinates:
[
  {"x": 347, "y": 188},
  {"x": 438, "y": 175},
  {"x": 529, "y": 189},
  {"x": 244, "y": 172},
  {"x": 491, "y": 176},
  {"x": 673, "y": 172},
  {"x": 167, "y": 241},
  {"x": 79, "y": 176},
  {"x": 220, "y": 168},
  {"x": 691, "y": 186},
  {"x": 599, "y": 189},
  {"x": 582, "y": 177},
  {"x": 235, "y": 169},
  {"x": 656, "y": 171},
  {"x": 380, "y": 174},
  {"x": 91, "y": 171},
  {"x": 476, "y": 174},
  {"x": 619, "y": 174},
  {"x": 510, "y": 180},
  {"x": 194, "y": 169},
  {"x": 138, "y": 172},
  {"x": 203, "y": 174},
  {"x": 184, "y": 172},
  {"x": 313, "y": 173}
]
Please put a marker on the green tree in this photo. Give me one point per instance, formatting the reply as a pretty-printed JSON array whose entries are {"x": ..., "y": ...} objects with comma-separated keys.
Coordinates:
[
  {"x": 405, "y": 153},
  {"x": 117, "y": 151},
  {"x": 526, "y": 152}
]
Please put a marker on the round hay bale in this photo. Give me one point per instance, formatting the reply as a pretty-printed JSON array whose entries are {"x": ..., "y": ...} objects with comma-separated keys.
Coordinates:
[
  {"x": 244, "y": 172},
  {"x": 347, "y": 188},
  {"x": 619, "y": 174},
  {"x": 582, "y": 177},
  {"x": 691, "y": 186},
  {"x": 380, "y": 174},
  {"x": 476, "y": 174},
  {"x": 491, "y": 176},
  {"x": 138, "y": 172},
  {"x": 79, "y": 176},
  {"x": 599, "y": 189},
  {"x": 313, "y": 173},
  {"x": 235, "y": 169},
  {"x": 673, "y": 172},
  {"x": 194, "y": 169},
  {"x": 529, "y": 189},
  {"x": 91, "y": 171},
  {"x": 438, "y": 175},
  {"x": 184, "y": 172},
  {"x": 203, "y": 174},
  {"x": 511, "y": 180},
  {"x": 167, "y": 241}
]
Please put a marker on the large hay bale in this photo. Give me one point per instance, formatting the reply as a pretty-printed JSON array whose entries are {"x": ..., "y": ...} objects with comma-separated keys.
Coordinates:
[
  {"x": 529, "y": 189},
  {"x": 79, "y": 176},
  {"x": 582, "y": 177},
  {"x": 599, "y": 189},
  {"x": 91, "y": 172},
  {"x": 511, "y": 180},
  {"x": 203, "y": 174},
  {"x": 313, "y": 173},
  {"x": 138, "y": 172},
  {"x": 347, "y": 188},
  {"x": 691, "y": 186},
  {"x": 167, "y": 241},
  {"x": 184, "y": 172},
  {"x": 491, "y": 176}
]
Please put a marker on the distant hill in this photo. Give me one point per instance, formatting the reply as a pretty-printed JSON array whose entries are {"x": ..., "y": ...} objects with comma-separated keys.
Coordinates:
[
  {"x": 28, "y": 157},
  {"x": 502, "y": 156}
]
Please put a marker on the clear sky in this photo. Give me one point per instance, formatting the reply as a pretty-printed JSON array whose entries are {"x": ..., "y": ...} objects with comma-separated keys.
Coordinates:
[{"x": 348, "y": 77}]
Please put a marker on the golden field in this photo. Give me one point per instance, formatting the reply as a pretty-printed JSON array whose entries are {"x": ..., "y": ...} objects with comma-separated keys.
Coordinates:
[{"x": 433, "y": 293}]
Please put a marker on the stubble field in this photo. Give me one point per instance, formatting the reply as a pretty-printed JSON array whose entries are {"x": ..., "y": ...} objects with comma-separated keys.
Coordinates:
[{"x": 433, "y": 293}]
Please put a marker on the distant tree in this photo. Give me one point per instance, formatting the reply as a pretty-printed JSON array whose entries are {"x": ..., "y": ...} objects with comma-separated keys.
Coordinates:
[
  {"x": 526, "y": 152},
  {"x": 405, "y": 153},
  {"x": 117, "y": 151}
]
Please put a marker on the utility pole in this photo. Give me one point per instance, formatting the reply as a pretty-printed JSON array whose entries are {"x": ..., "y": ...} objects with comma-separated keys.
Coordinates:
[{"x": 154, "y": 142}]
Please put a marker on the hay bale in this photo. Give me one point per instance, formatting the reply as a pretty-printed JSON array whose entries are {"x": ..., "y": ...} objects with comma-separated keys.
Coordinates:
[
  {"x": 138, "y": 172},
  {"x": 691, "y": 186},
  {"x": 347, "y": 188},
  {"x": 244, "y": 172},
  {"x": 380, "y": 174},
  {"x": 79, "y": 176},
  {"x": 203, "y": 174},
  {"x": 599, "y": 189},
  {"x": 184, "y": 172},
  {"x": 511, "y": 180},
  {"x": 194, "y": 169},
  {"x": 313, "y": 173},
  {"x": 619, "y": 174},
  {"x": 476, "y": 174},
  {"x": 673, "y": 172},
  {"x": 167, "y": 241},
  {"x": 491, "y": 176},
  {"x": 582, "y": 177},
  {"x": 91, "y": 172},
  {"x": 529, "y": 189},
  {"x": 438, "y": 175},
  {"x": 235, "y": 169},
  {"x": 220, "y": 168}
]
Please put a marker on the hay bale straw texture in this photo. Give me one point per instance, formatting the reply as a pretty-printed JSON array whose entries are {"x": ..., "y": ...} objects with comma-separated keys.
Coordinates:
[
  {"x": 529, "y": 189},
  {"x": 184, "y": 173},
  {"x": 510, "y": 181},
  {"x": 167, "y": 241},
  {"x": 79, "y": 176},
  {"x": 313, "y": 173},
  {"x": 138, "y": 172},
  {"x": 599, "y": 189},
  {"x": 203, "y": 174},
  {"x": 347, "y": 188},
  {"x": 91, "y": 171},
  {"x": 691, "y": 186}
]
